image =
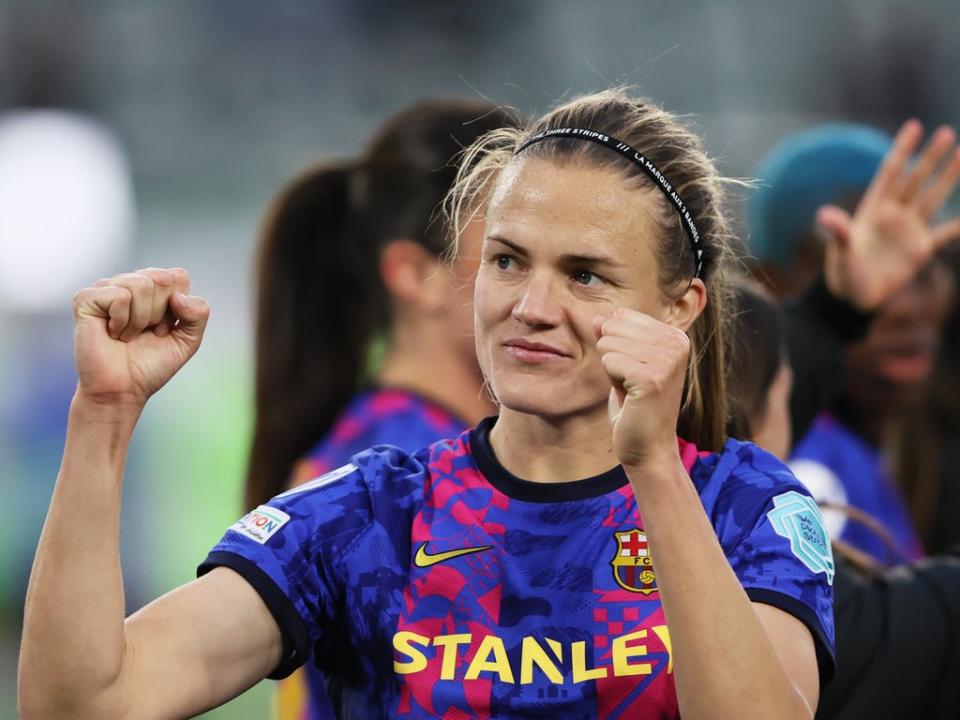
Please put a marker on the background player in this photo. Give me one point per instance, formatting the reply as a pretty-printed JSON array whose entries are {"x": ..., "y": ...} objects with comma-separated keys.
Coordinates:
[{"x": 349, "y": 268}]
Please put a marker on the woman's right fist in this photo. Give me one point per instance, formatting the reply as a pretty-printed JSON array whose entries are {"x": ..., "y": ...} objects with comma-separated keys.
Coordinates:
[{"x": 133, "y": 332}]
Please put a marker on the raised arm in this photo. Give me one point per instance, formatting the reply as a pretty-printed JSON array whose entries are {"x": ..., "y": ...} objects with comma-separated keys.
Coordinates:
[
  {"x": 891, "y": 235},
  {"x": 187, "y": 651},
  {"x": 870, "y": 255},
  {"x": 732, "y": 658}
]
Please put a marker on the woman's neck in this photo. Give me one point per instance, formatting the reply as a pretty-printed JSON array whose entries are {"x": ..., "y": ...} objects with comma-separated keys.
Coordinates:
[
  {"x": 554, "y": 449},
  {"x": 428, "y": 367}
]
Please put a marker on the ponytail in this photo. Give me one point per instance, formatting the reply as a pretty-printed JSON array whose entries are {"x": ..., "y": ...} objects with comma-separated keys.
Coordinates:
[{"x": 318, "y": 304}]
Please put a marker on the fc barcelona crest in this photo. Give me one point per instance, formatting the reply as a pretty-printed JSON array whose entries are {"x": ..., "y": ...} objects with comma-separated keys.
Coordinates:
[{"x": 632, "y": 565}]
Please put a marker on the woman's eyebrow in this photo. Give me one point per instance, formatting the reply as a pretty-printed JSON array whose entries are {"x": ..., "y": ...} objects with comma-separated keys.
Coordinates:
[
  {"x": 591, "y": 260},
  {"x": 567, "y": 259},
  {"x": 513, "y": 246}
]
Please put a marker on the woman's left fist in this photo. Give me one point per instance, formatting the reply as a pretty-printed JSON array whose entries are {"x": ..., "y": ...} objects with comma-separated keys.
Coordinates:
[{"x": 646, "y": 360}]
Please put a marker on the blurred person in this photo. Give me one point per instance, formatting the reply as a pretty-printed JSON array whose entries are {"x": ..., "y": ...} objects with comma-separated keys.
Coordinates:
[
  {"x": 882, "y": 299},
  {"x": 350, "y": 262},
  {"x": 479, "y": 576},
  {"x": 927, "y": 450},
  {"x": 897, "y": 628},
  {"x": 760, "y": 387}
]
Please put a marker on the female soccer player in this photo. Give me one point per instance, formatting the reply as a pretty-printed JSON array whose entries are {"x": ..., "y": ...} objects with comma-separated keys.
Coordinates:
[
  {"x": 573, "y": 557},
  {"x": 375, "y": 220}
]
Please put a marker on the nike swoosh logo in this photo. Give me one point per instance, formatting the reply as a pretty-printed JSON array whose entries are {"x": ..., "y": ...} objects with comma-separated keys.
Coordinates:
[{"x": 423, "y": 559}]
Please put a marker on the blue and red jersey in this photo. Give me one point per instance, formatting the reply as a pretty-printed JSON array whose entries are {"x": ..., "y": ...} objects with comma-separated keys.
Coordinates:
[
  {"x": 382, "y": 416},
  {"x": 437, "y": 584}
]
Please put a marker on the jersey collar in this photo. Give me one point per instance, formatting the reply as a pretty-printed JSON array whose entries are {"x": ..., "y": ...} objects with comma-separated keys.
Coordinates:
[{"x": 544, "y": 492}]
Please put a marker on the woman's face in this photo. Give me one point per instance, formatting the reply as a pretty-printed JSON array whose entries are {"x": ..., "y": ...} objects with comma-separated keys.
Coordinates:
[
  {"x": 889, "y": 367},
  {"x": 564, "y": 244}
]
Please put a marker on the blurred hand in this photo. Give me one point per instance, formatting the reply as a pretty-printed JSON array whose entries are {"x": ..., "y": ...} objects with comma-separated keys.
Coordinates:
[
  {"x": 646, "y": 361},
  {"x": 133, "y": 332},
  {"x": 878, "y": 250}
]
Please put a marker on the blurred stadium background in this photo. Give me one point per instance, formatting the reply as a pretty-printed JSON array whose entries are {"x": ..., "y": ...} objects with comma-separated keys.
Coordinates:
[{"x": 138, "y": 133}]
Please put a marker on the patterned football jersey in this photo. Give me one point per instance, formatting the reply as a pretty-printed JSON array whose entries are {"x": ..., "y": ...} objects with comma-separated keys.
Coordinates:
[
  {"x": 382, "y": 416},
  {"x": 376, "y": 416},
  {"x": 446, "y": 587}
]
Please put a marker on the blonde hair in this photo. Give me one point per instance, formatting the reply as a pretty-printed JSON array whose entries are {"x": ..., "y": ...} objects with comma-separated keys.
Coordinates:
[{"x": 678, "y": 153}]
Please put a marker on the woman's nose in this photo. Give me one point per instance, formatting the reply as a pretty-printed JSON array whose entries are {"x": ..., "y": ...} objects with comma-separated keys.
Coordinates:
[{"x": 538, "y": 306}]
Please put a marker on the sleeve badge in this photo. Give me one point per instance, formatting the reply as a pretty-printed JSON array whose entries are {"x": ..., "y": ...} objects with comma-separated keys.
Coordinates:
[{"x": 797, "y": 518}]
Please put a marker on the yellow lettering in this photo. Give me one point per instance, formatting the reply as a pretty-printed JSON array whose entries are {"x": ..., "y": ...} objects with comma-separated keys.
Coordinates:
[
  {"x": 545, "y": 654},
  {"x": 401, "y": 643},
  {"x": 533, "y": 652},
  {"x": 449, "y": 666},
  {"x": 482, "y": 661},
  {"x": 661, "y": 632},
  {"x": 581, "y": 673},
  {"x": 622, "y": 653}
]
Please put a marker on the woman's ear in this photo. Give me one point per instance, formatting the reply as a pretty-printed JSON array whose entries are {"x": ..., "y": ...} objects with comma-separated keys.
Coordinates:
[
  {"x": 412, "y": 274},
  {"x": 683, "y": 310}
]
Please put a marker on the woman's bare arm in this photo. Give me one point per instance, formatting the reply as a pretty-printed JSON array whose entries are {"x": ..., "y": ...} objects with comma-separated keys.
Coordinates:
[
  {"x": 189, "y": 650},
  {"x": 732, "y": 658}
]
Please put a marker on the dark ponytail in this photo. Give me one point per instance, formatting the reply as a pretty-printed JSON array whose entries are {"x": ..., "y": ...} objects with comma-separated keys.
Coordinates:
[
  {"x": 317, "y": 305},
  {"x": 320, "y": 299}
]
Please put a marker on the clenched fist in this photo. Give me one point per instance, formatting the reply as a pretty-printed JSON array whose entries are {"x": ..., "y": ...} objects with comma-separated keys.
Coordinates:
[
  {"x": 646, "y": 360},
  {"x": 133, "y": 332}
]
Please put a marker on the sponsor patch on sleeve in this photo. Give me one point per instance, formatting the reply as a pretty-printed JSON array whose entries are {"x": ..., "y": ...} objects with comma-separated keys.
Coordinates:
[
  {"x": 797, "y": 518},
  {"x": 261, "y": 524}
]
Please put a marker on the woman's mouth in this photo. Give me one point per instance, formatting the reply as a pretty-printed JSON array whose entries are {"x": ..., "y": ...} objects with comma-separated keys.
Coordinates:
[
  {"x": 910, "y": 368},
  {"x": 534, "y": 353}
]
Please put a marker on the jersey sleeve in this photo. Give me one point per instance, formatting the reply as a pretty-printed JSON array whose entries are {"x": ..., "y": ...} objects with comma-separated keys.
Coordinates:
[
  {"x": 292, "y": 549},
  {"x": 774, "y": 537}
]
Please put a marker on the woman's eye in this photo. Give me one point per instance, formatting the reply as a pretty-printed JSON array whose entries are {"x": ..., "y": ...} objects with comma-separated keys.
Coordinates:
[
  {"x": 503, "y": 261},
  {"x": 587, "y": 278}
]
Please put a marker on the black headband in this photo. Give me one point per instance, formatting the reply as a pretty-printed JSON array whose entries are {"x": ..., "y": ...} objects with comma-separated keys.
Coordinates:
[{"x": 644, "y": 164}]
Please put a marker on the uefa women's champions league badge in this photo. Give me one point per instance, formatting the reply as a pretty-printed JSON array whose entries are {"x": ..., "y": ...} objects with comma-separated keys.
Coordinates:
[
  {"x": 632, "y": 565},
  {"x": 797, "y": 518}
]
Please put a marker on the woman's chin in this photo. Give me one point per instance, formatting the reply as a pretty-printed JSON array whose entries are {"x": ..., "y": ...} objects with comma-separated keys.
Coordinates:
[{"x": 549, "y": 403}]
